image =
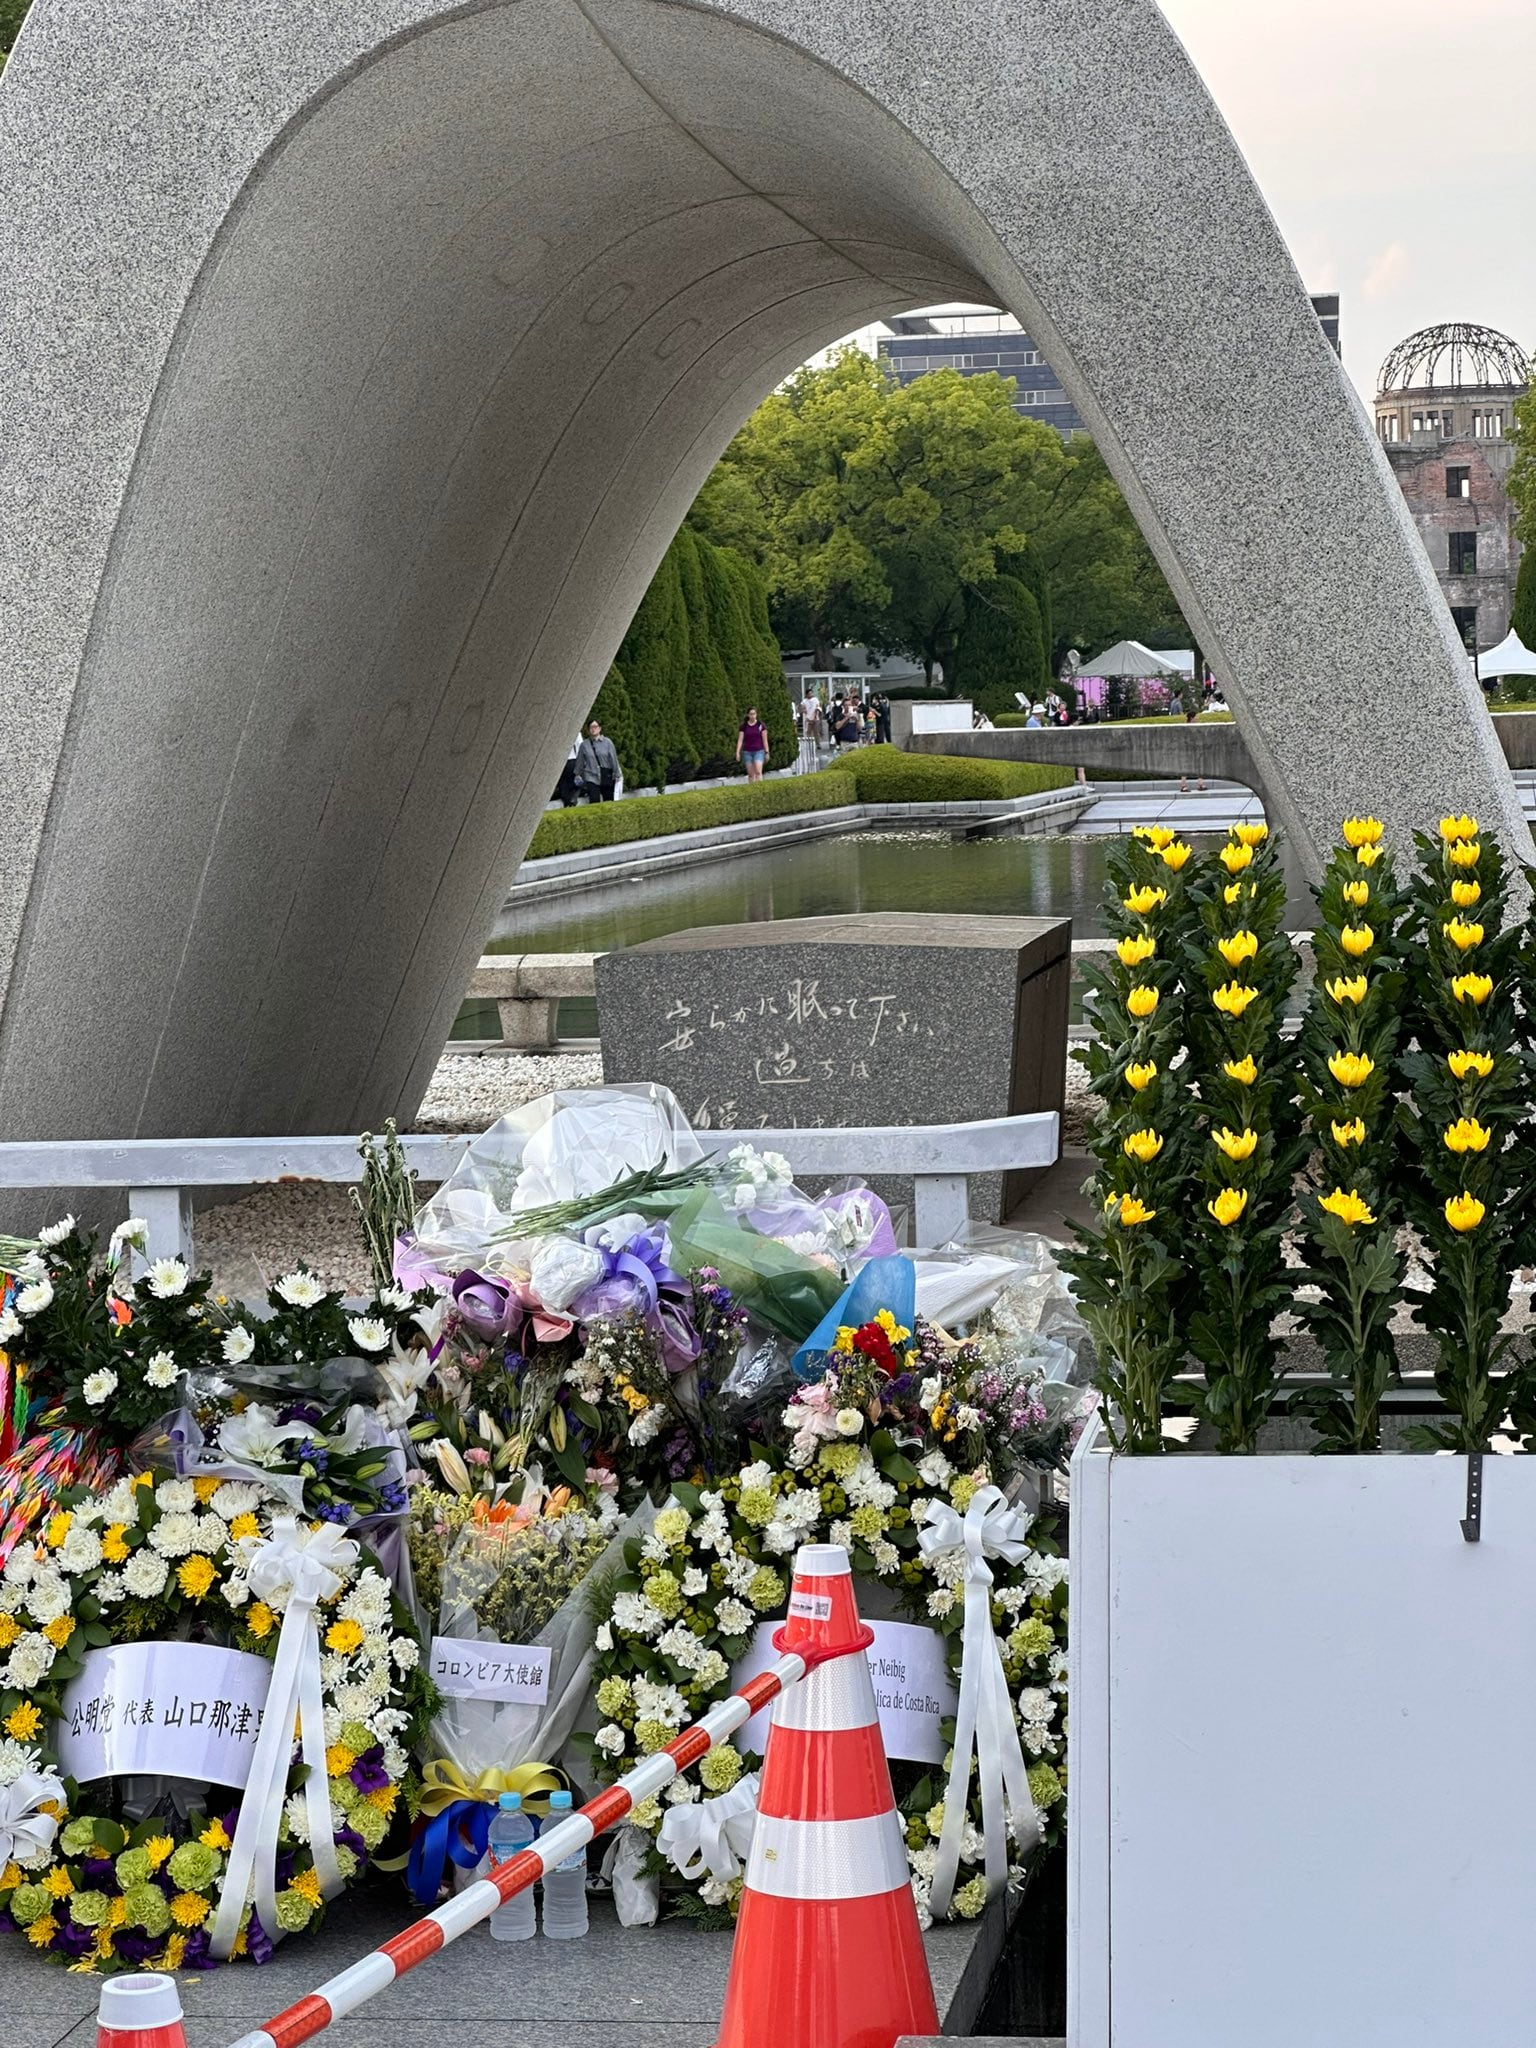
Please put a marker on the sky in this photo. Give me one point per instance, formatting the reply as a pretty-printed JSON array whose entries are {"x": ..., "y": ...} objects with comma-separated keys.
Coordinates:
[{"x": 1395, "y": 141}]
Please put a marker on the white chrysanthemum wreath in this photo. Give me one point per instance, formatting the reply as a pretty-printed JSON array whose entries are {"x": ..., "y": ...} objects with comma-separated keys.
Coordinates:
[{"x": 87, "y": 1874}]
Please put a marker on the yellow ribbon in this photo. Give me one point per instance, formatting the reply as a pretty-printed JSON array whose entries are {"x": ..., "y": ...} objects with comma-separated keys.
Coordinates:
[{"x": 443, "y": 1784}]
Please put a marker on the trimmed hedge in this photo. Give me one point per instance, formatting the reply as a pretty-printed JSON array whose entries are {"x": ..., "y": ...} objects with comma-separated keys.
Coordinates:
[
  {"x": 686, "y": 810},
  {"x": 886, "y": 775}
]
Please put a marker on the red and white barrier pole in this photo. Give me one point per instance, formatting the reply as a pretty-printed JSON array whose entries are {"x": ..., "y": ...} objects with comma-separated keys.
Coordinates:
[{"x": 345, "y": 1992}]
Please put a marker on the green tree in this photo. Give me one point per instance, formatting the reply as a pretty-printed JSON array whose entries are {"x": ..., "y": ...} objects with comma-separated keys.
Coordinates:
[
  {"x": 1522, "y": 474},
  {"x": 1002, "y": 645},
  {"x": 12, "y": 14},
  {"x": 1105, "y": 582},
  {"x": 1523, "y": 617},
  {"x": 709, "y": 703},
  {"x": 757, "y": 662},
  {"x": 653, "y": 660}
]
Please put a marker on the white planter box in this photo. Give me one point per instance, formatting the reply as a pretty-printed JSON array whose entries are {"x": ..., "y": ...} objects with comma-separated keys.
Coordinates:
[{"x": 1302, "y": 1796}]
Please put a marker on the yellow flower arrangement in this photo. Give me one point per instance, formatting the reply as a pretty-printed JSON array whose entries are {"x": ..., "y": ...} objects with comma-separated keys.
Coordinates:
[
  {"x": 1368, "y": 856},
  {"x": 1155, "y": 836},
  {"x": 60, "y": 1630},
  {"x": 1467, "y": 1135},
  {"x": 1132, "y": 951},
  {"x": 1228, "y": 1206},
  {"x": 1348, "y": 1208},
  {"x": 1141, "y": 1074},
  {"x": 113, "y": 1548},
  {"x": 1233, "y": 997},
  {"x": 1464, "y": 1062},
  {"x": 1465, "y": 854},
  {"x": 1244, "y": 1071},
  {"x": 1141, "y": 1001},
  {"x": 1357, "y": 894},
  {"x": 344, "y": 1636},
  {"x": 1462, "y": 935},
  {"x": 1142, "y": 1145},
  {"x": 1357, "y": 940},
  {"x": 197, "y": 1576},
  {"x": 1133, "y": 1211},
  {"x": 1465, "y": 894},
  {"x": 1351, "y": 1133},
  {"x": 23, "y": 1722},
  {"x": 1250, "y": 835},
  {"x": 1472, "y": 988},
  {"x": 1240, "y": 947},
  {"x": 1360, "y": 832},
  {"x": 259, "y": 1619},
  {"x": 1454, "y": 829},
  {"x": 1464, "y": 1212},
  {"x": 1352, "y": 989},
  {"x": 1237, "y": 1145},
  {"x": 1235, "y": 858},
  {"x": 1351, "y": 1069},
  {"x": 1175, "y": 856}
]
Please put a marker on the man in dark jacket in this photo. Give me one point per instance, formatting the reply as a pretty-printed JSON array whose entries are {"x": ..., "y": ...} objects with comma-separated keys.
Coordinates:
[{"x": 597, "y": 766}]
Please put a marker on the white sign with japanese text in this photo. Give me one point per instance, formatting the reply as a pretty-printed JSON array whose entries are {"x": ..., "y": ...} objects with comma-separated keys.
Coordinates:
[
  {"x": 179, "y": 1710},
  {"x": 463, "y": 1669},
  {"x": 914, "y": 1692}
]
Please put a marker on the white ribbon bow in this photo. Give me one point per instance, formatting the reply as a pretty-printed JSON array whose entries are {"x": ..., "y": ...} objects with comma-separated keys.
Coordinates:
[
  {"x": 26, "y": 1835},
  {"x": 711, "y": 1835},
  {"x": 309, "y": 1566},
  {"x": 984, "y": 1722}
]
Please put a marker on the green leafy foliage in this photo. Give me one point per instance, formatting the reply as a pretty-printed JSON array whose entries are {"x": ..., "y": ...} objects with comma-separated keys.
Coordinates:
[
  {"x": 1002, "y": 647},
  {"x": 1523, "y": 617},
  {"x": 886, "y": 775},
  {"x": 686, "y": 810}
]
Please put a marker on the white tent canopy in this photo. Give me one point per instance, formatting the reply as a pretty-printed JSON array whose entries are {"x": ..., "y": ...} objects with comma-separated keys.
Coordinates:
[
  {"x": 1129, "y": 658},
  {"x": 1510, "y": 658}
]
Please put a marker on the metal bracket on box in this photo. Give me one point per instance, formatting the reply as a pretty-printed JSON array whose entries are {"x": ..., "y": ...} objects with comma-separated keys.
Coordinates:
[{"x": 1472, "y": 1525}]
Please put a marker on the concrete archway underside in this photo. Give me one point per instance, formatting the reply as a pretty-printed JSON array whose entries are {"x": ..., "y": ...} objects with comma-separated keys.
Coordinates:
[{"x": 367, "y": 358}]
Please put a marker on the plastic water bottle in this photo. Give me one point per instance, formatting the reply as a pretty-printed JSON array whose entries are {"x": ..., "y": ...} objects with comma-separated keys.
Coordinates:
[
  {"x": 511, "y": 1829},
  {"x": 565, "y": 1887}
]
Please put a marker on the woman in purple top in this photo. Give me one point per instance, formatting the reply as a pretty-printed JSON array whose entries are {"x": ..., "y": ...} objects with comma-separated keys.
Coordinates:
[{"x": 752, "y": 745}]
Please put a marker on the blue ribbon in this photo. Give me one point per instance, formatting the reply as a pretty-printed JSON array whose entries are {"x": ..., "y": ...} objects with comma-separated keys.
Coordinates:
[
  {"x": 459, "y": 1834},
  {"x": 882, "y": 1283}
]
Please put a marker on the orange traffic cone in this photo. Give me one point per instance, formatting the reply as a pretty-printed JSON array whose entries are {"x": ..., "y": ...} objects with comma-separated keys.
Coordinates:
[
  {"x": 139, "y": 2012},
  {"x": 828, "y": 1951}
]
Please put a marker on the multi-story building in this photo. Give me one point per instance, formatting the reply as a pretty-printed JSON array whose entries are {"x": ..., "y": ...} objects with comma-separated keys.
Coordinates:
[
  {"x": 1444, "y": 411},
  {"x": 975, "y": 342}
]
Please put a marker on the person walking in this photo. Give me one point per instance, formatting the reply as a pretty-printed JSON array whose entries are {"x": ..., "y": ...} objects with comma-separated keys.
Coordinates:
[
  {"x": 883, "y": 719},
  {"x": 752, "y": 745},
  {"x": 597, "y": 766}
]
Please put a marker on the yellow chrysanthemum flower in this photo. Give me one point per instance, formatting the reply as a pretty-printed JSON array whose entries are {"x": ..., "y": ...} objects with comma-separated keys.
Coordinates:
[
  {"x": 1351, "y": 989},
  {"x": 58, "y": 1883},
  {"x": 1132, "y": 951},
  {"x": 215, "y": 1836},
  {"x": 1237, "y": 1145},
  {"x": 1142, "y": 1145},
  {"x": 307, "y": 1885},
  {"x": 1472, "y": 988},
  {"x": 10, "y": 1629},
  {"x": 113, "y": 1548},
  {"x": 189, "y": 1909},
  {"x": 1357, "y": 940},
  {"x": 1228, "y": 1206},
  {"x": 1360, "y": 832},
  {"x": 1352, "y": 1133},
  {"x": 1358, "y": 894},
  {"x": 1176, "y": 855},
  {"x": 175, "y": 1954},
  {"x": 1464, "y": 1062},
  {"x": 10, "y": 1877},
  {"x": 1141, "y": 1074},
  {"x": 1348, "y": 1208},
  {"x": 259, "y": 1619},
  {"x": 1454, "y": 829},
  {"x": 1232, "y": 998},
  {"x": 57, "y": 1528},
  {"x": 42, "y": 1930},
  {"x": 1234, "y": 890},
  {"x": 338, "y": 1760},
  {"x": 1235, "y": 858},
  {"x": 1465, "y": 854},
  {"x": 1156, "y": 836},
  {"x": 1144, "y": 900},
  {"x": 344, "y": 1636},
  {"x": 1141, "y": 1001},
  {"x": 1467, "y": 1135},
  {"x": 1244, "y": 1070},
  {"x": 197, "y": 1576},
  {"x": 157, "y": 1848},
  {"x": 382, "y": 1798},
  {"x": 1133, "y": 1210},
  {"x": 1465, "y": 894},
  {"x": 1462, "y": 935},
  {"x": 1367, "y": 856},
  {"x": 1241, "y": 946},
  {"x": 1250, "y": 835},
  {"x": 245, "y": 1525},
  {"x": 1464, "y": 1212},
  {"x": 60, "y": 1630},
  {"x": 205, "y": 1489},
  {"x": 1350, "y": 1069}
]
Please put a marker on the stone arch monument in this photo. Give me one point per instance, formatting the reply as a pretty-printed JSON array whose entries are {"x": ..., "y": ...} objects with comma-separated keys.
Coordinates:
[{"x": 360, "y": 360}]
